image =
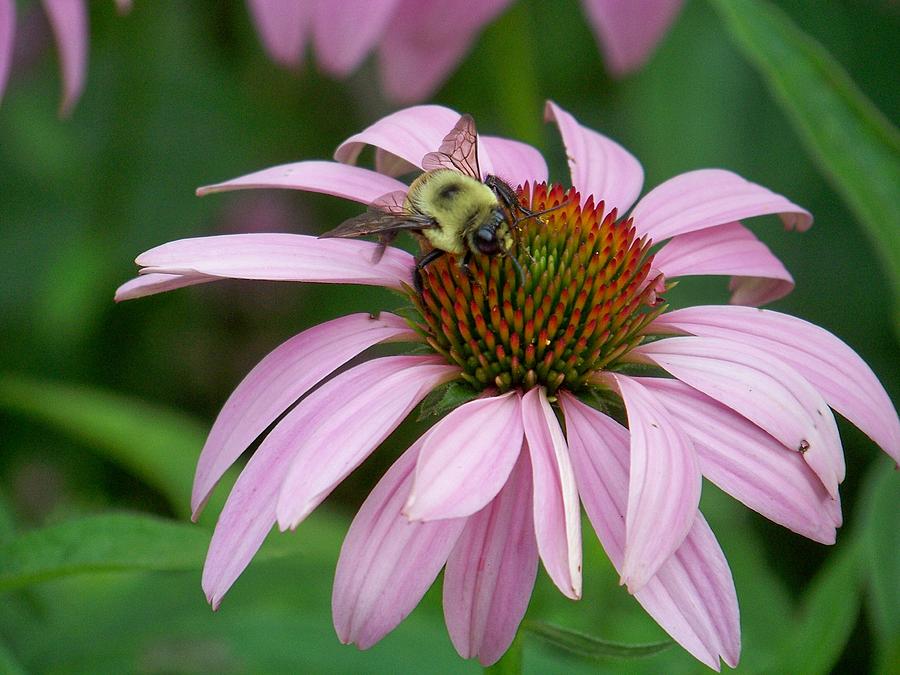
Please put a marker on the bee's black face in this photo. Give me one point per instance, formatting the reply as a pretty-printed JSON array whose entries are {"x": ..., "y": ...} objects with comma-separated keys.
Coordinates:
[{"x": 486, "y": 240}]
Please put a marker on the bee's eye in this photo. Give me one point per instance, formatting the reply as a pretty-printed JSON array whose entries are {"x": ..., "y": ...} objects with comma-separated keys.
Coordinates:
[{"x": 486, "y": 241}]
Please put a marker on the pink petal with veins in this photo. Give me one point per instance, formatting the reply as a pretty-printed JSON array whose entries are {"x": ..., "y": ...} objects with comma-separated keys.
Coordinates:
[
  {"x": 514, "y": 161},
  {"x": 841, "y": 376},
  {"x": 280, "y": 257},
  {"x": 599, "y": 166},
  {"x": 629, "y": 30},
  {"x": 707, "y": 198},
  {"x": 758, "y": 276},
  {"x": 762, "y": 388},
  {"x": 68, "y": 19},
  {"x": 282, "y": 27},
  {"x": 749, "y": 464},
  {"x": 664, "y": 488},
  {"x": 338, "y": 426},
  {"x": 466, "y": 459},
  {"x": 387, "y": 563},
  {"x": 692, "y": 595},
  {"x": 278, "y": 381},
  {"x": 330, "y": 178},
  {"x": 491, "y": 571},
  {"x": 151, "y": 284},
  {"x": 557, "y": 513}
]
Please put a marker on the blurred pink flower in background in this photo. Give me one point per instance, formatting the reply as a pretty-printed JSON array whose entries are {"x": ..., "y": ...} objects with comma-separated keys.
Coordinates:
[
  {"x": 69, "y": 22},
  {"x": 739, "y": 395},
  {"x": 420, "y": 43}
]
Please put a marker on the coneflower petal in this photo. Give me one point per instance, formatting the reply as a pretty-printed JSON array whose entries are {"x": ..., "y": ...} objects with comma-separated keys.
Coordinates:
[
  {"x": 467, "y": 458},
  {"x": 557, "y": 513},
  {"x": 692, "y": 595},
  {"x": 69, "y": 21},
  {"x": 664, "y": 484},
  {"x": 706, "y": 198},
  {"x": 758, "y": 277},
  {"x": 600, "y": 167},
  {"x": 151, "y": 284},
  {"x": 345, "y": 32},
  {"x": 831, "y": 366},
  {"x": 342, "y": 422},
  {"x": 491, "y": 571},
  {"x": 282, "y": 26},
  {"x": 387, "y": 562},
  {"x": 7, "y": 40},
  {"x": 279, "y": 380},
  {"x": 749, "y": 464},
  {"x": 762, "y": 388}
]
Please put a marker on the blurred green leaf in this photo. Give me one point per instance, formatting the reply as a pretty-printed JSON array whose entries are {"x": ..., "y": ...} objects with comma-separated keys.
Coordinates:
[
  {"x": 9, "y": 665},
  {"x": 444, "y": 399},
  {"x": 133, "y": 542},
  {"x": 158, "y": 445},
  {"x": 511, "y": 663},
  {"x": 7, "y": 523},
  {"x": 855, "y": 145},
  {"x": 828, "y": 614},
  {"x": 589, "y": 647}
]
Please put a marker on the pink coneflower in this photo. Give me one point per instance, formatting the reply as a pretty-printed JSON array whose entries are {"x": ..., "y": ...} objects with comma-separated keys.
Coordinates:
[
  {"x": 420, "y": 44},
  {"x": 68, "y": 19},
  {"x": 740, "y": 395}
]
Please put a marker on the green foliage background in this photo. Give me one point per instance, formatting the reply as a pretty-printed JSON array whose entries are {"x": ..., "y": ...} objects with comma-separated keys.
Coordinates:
[{"x": 104, "y": 408}]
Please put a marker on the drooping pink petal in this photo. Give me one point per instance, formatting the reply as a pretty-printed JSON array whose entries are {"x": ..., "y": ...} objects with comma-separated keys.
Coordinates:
[
  {"x": 7, "y": 40},
  {"x": 68, "y": 19},
  {"x": 629, "y": 30},
  {"x": 279, "y": 380},
  {"x": 762, "y": 388},
  {"x": 758, "y": 276},
  {"x": 281, "y": 257},
  {"x": 749, "y": 464},
  {"x": 330, "y": 178},
  {"x": 841, "y": 376},
  {"x": 387, "y": 562},
  {"x": 123, "y": 6},
  {"x": 599, "y": 166},
  {"x": 151, "y": 284},
  {"x": 515, "y": 162},
  {"x": 466, "y": 459},
  {"x": 345, "y": 32},
  {"x": 664, "y": 488},
  {"x": 249, "y": 512},
  {"x": 282, "y": 27},
  {"x": 426, "y": 41},
  {"x": 707, "y": 198},
  {"x": 338, "y": 426},
  {"x": 692, "y": 595},
  {"x": 557, "y": 514},
  {"x": 490, "y": 573}
]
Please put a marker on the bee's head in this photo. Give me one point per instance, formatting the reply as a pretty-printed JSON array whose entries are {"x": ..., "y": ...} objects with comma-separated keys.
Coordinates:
[{"x": 488, "y": 236}]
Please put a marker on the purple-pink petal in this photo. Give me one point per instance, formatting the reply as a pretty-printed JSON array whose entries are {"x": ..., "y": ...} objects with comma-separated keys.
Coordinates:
[
  {"x": 151, "y": 284},
  {"x": 599, "y": 166},
  {"x": 629, "y": 30},
  {"x": 281, "y": 257},
  {"x": 68, "y": 19},
  {"x": 706, "y": 198},
  {"x": 514, "y": 161},
  {"x": 664, "y": 487},
  {"x": 330, "y": 178},
  {"x": 491, "y": 570},
  {"x": 764, "y": 389},
  {"x": 279, "y": 380},
  {"x": 466, "y": 459},
  {"x": 758, "y": 276},
  {"x": 7, "y": 40},
  {"x": 749, "y": 464},
  {"x": 410, "y": 134},
  {"x": 841, "y": 376},
  {"x": 345, "y": 32},
  {"x": 387, "y": 562},
  {"x": 343, "y": 421},
  {"x": 692, "y": 595},
  {"x": 426, "y": 41},
  {"x": 557, "y": 514},
  {"x": 282, "y": 27}
]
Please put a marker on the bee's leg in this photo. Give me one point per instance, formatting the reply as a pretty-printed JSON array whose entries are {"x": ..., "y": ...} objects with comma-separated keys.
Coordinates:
[
  {"x": 464, "y": 264},
  {"x": 519, "y": 271},
  {"x": 384, "y": 239},
  {"x": 426, "y": 260}
]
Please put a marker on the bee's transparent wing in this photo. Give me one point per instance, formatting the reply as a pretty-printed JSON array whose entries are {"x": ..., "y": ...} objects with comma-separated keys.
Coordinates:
[
  {"x": 459, "y": 150},
  {"x": 386, "y": 215}
]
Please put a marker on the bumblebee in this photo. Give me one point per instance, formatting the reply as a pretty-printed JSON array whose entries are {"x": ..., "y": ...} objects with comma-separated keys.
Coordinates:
[{"x": 448, "y": 206}]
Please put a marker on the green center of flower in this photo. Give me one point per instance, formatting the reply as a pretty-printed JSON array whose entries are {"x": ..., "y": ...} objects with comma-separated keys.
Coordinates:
[{"x": 584, "y": 303}]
